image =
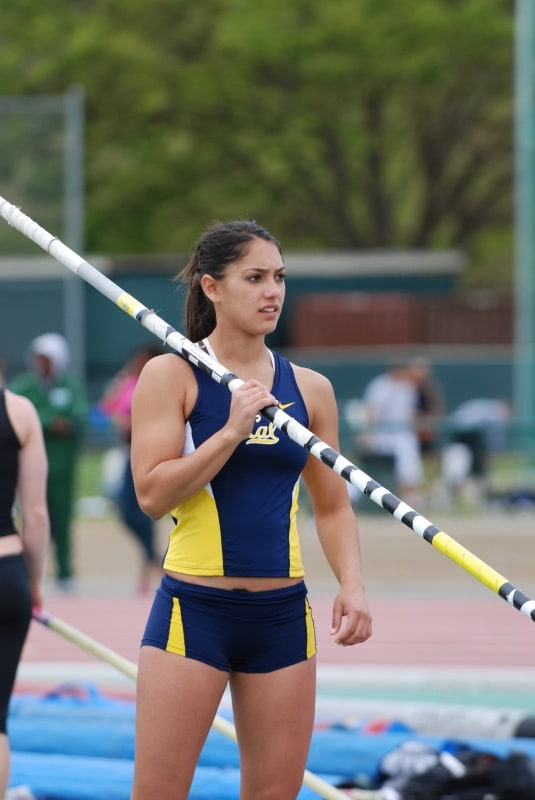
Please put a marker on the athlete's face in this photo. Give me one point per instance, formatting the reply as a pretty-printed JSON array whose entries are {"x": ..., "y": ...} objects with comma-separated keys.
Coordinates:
[{"x": 251, "y": 294}]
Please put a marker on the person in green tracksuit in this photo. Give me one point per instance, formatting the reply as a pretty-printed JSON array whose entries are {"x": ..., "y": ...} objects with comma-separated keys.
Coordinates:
[{"x": 61, "y": 402}]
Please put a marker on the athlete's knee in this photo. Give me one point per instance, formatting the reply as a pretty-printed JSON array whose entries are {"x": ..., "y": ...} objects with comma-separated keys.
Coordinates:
[
  {"x": 158, "y": 789},
  {"x": 272, "y": 787}
]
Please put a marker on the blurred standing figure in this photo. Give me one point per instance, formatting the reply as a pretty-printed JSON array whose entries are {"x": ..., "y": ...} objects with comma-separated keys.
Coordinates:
[
  {"x": 61, "y": 402},
  {"x": 430, "y": 407},
  {"x": 117, "y": 402},
  {"x": 23, "y": 544},
  {"x": 390, "y": 402},
  {"x": 481, "y": 424},
  {"x": 429, "y": 422}
]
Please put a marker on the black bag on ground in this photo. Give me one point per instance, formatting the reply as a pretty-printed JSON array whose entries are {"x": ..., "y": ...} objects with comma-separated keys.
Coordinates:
[{"x": 487, "y": 778}]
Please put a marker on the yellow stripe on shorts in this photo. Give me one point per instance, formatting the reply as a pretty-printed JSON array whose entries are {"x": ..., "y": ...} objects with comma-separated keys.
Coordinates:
[
  {"x": 175, "y": 641},
  {"x": 311, "y": 634}
]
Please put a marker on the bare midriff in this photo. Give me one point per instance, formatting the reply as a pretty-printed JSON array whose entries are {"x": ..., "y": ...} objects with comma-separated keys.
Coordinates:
[
  {"x": 10, "y": 545},
  {"x": 226, "y": 582}
]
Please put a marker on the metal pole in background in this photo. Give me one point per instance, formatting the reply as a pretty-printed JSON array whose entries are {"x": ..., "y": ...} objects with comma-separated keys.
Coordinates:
[
  {"x": 524, "y": 363},
  {"x": 73, "y": 224},
  {"x": 71, "y": 107}
]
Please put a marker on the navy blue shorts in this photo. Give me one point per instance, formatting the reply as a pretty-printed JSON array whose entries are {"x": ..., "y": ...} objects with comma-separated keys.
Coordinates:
[{"x": 232, "y": 629}]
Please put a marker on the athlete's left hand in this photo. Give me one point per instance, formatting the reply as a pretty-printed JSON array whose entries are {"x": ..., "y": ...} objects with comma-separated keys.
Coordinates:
[{"x": 351, "y": 620}]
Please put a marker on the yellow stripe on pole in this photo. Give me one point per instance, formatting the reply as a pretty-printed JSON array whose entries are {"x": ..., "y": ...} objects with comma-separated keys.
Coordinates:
[
  {"x": 468, "y": 561},
  {"x": 130, "y": 304}
]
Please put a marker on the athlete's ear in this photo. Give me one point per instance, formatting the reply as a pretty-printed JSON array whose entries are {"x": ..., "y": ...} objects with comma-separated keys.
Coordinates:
[{"x": 210, "y": 287}]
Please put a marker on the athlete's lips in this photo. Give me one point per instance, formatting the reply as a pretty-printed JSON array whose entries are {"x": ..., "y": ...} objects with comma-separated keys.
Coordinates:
[{"x": 269, "y": 310}]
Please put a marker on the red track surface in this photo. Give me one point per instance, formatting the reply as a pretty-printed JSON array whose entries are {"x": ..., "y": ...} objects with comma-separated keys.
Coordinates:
[
  {"x": 409, "y": 631},
  {"x": 427, "y": 612}
]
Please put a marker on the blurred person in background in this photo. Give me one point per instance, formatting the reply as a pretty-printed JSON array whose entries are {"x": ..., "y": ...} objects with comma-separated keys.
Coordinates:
[
  {"x": 23, "y": 542},
  {"x": 61, "y": 402},
  {"x": 429, "y": 419},
  {"x": 117, "y": 403},
  {"x": 390, "y": 402},
  {"x": 430, "y": 406},
  {"x": 481, "y": 425}
]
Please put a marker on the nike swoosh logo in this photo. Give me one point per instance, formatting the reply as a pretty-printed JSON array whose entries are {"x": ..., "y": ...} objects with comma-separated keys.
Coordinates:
[{"x": 282, "y": 406}]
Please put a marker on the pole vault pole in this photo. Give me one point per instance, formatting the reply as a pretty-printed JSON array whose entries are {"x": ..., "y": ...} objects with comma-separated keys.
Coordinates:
[
  {"x": 90, "y": 645},
  {"x": 280, "y": 419}
]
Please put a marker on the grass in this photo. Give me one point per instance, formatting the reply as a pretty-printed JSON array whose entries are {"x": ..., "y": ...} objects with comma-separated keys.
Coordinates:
[{"x": 89, "y": 474}]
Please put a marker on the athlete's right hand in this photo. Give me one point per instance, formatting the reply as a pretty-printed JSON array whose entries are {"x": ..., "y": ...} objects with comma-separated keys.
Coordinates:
[{"x": 245, "y": 406}]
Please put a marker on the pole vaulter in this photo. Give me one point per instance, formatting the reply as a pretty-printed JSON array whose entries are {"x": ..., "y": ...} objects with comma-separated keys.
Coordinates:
[{"x": 280, "y": 419}]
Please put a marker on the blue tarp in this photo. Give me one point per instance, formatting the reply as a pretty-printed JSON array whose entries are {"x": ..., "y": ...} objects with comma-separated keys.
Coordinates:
[
  {"x": 57, "y": 777},
  {"x": 79, "y": 745}
]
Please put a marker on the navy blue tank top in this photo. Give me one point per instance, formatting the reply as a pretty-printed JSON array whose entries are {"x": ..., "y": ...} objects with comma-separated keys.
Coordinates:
[
  {"x": 244, "y": 522},
  {"x": 9, "y": 469}
]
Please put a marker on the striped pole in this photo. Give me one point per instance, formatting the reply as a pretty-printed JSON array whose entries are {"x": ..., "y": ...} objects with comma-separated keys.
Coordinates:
[
  {"x": 90, "y": 645},
  {"x": 280, "y": 419}
]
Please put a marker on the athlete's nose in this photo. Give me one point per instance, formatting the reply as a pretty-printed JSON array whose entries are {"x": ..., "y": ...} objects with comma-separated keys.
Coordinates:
[{"x": 273, "y": 287}]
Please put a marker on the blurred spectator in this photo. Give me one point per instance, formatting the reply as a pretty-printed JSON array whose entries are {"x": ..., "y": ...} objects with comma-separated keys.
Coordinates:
[
  {"x": 481, "y": 426},
  {"x": 117, "y": 402},
  {"x": 429, "y": 421},
  {"x": 490, "y": 416},
  {"x": 481, "y": 423},
  {"x": 430, "y": 407},
  {"x": 390, "y": 403},
  {"x": 61, "y": 402}
]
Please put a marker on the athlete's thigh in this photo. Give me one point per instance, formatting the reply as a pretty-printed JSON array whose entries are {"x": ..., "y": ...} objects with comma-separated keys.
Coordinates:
[
  {"x": 176, "y": 701},
  {"x": 274, "y": 718}
]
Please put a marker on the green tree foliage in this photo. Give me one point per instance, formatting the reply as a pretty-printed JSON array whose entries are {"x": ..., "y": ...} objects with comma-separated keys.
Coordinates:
[{"x": 343, "y": 124}]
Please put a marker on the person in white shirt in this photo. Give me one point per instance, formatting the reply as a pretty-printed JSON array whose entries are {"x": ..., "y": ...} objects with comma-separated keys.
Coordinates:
[{"x": 390, "y": 403}]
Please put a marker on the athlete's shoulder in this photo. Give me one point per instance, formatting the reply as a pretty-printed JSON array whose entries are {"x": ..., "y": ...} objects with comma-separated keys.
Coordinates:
[
  {"x": 167, "y": 366},
  {"x": 317, "y": 392},
  {"x": 320, "y": 401},
  {"x": 168, "y": 374},
  {"x": 311, "y": 379}
]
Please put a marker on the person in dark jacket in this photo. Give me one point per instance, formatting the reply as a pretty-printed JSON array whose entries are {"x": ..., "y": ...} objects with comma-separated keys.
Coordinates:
[{"x": 60, "y": 399}]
